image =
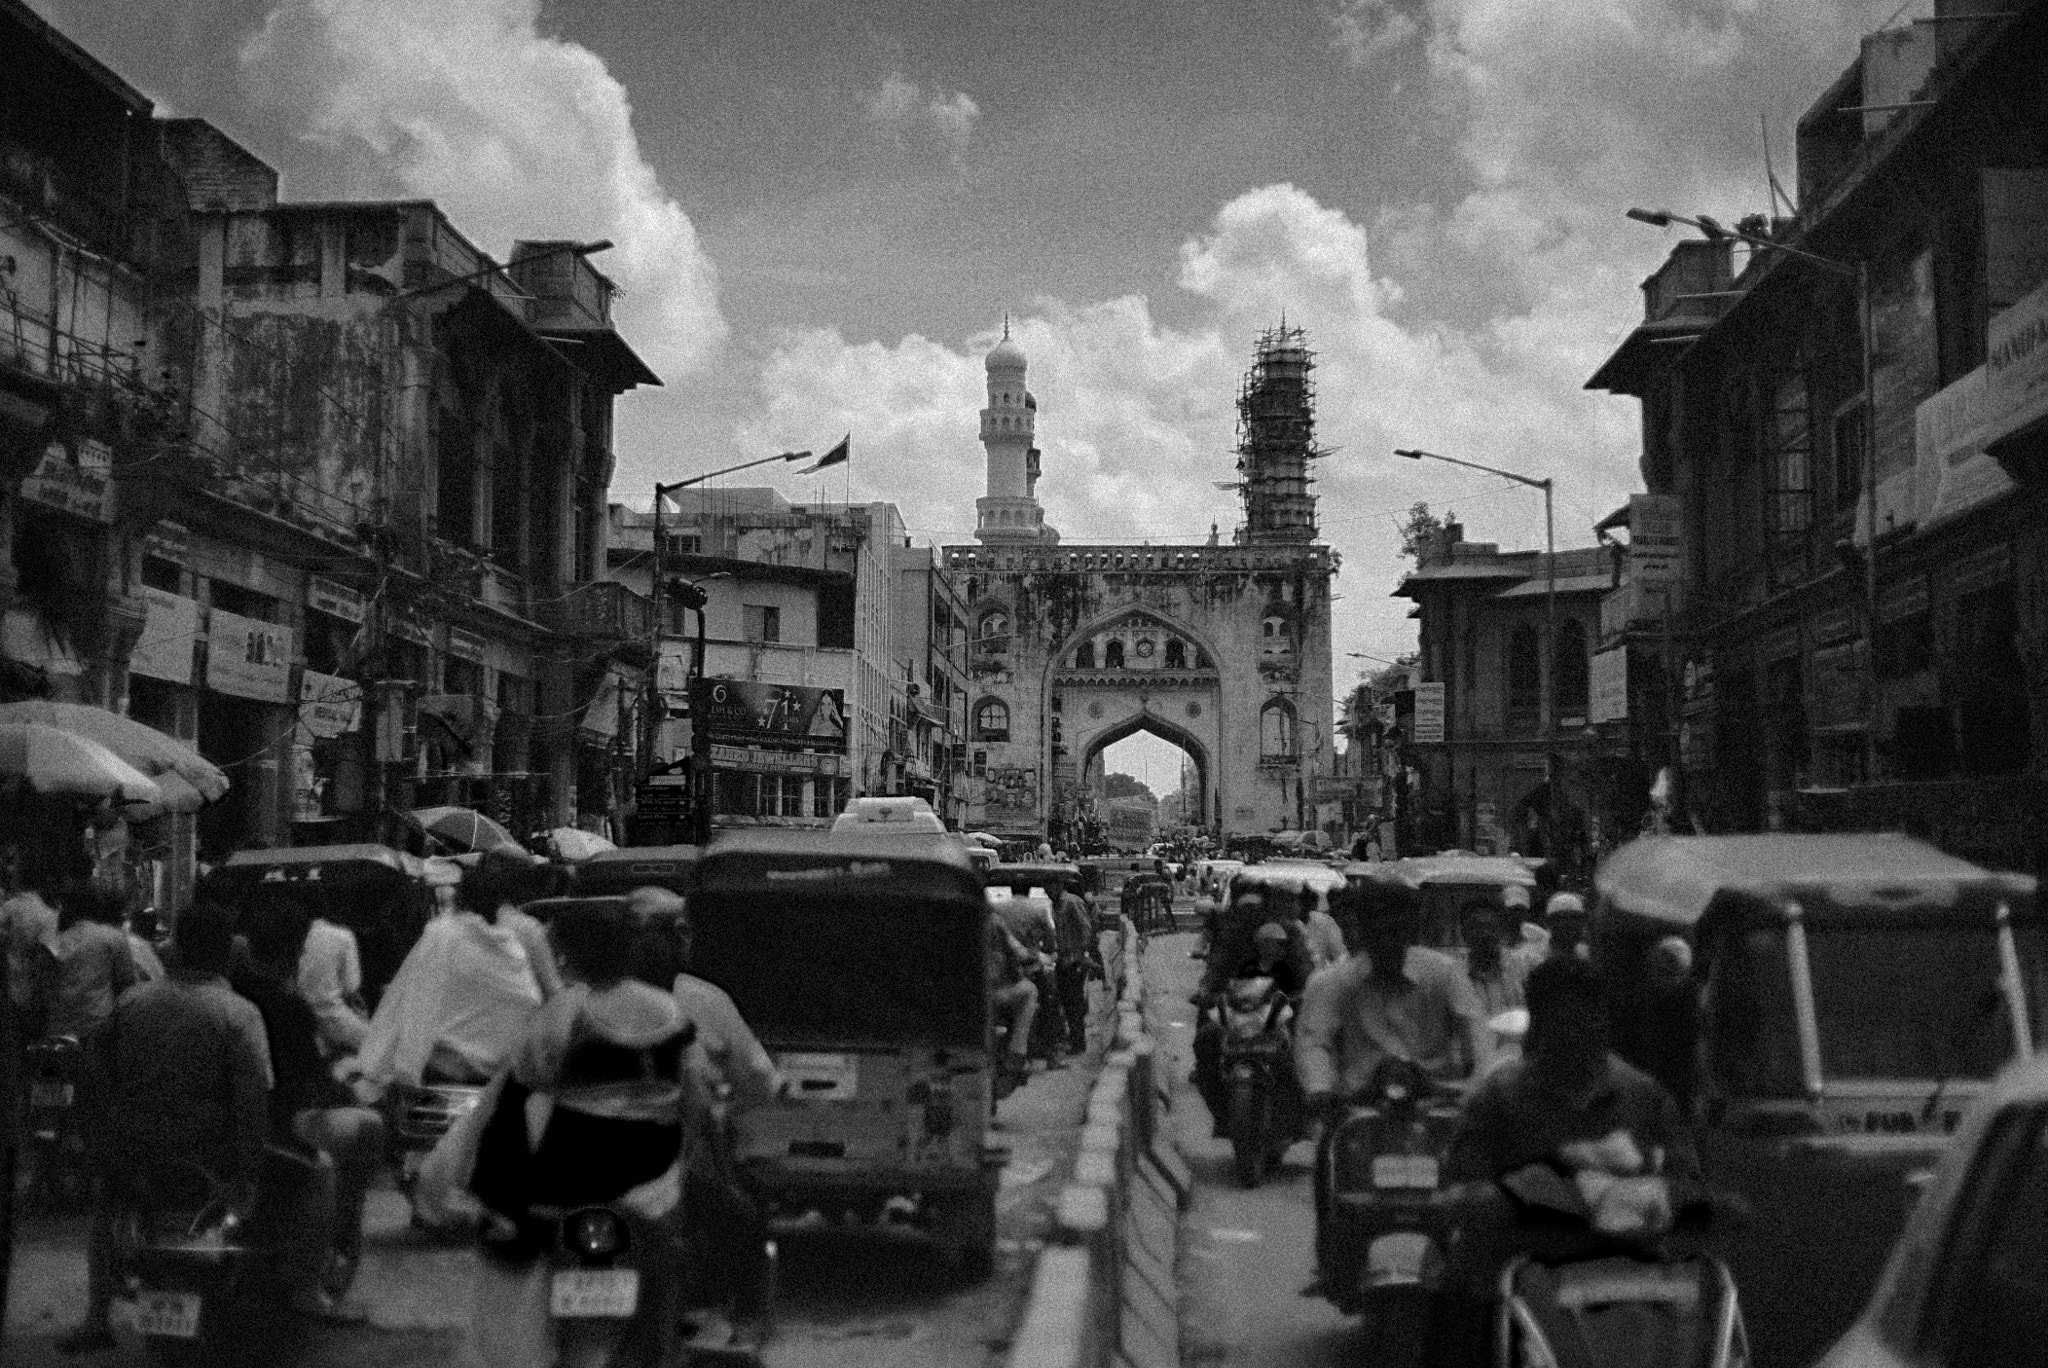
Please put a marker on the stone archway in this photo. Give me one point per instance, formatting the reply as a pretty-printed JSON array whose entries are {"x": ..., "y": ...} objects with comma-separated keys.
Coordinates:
[{"x": 1145, "y": 719}]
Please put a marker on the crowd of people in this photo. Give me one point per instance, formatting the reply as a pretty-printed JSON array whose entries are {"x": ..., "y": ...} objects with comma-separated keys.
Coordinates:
[
  {"x": 249, "y": 1054},
  {"x": 1515, "y": 1023}
]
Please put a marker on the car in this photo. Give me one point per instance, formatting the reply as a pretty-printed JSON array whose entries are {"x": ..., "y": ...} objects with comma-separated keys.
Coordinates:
[
  {"x": 1967, "y": 1282},
  {"x": 889, "y": 817}
]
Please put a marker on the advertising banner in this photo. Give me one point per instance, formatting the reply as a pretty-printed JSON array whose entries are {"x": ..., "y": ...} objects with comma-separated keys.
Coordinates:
[
  {"x": 1429, "y": 712},
  {"x": 82, "y": 484},
  {"x": 1609, "y": 680},
  {"x": 1950, "y": 432},
  {"x": 745, "y": 712},
  {"x": 1655, "y": 528},
  {"x": 248, "y": 658},
  {"x": 338, "y": 600},
  {"x": 1012, "y": 797},
  {"x": 165, "y": 648},
  {"x": 329, "y": 706}
]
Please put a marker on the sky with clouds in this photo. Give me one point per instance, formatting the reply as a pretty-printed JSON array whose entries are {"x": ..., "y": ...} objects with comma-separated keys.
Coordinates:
[{"x": 824, "y": 208}]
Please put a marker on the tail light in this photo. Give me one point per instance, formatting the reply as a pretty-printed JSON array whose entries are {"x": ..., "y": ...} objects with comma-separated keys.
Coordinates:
[{"x": 595, "y": 1233}]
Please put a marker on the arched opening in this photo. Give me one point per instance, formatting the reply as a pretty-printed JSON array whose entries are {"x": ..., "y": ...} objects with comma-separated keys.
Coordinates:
[
  {"x": 1141, "y": 782},
  {"x": 1084, "y": 656},
  {"x": 1113, "y": 654},
  {"x": 1274, "y": 637},
  {"x": 1276, "y": 730},
  {"x": 1525, "y": 679},
  {"x": 991, "y": 720},
  {"x": 1176, "y": 654}
]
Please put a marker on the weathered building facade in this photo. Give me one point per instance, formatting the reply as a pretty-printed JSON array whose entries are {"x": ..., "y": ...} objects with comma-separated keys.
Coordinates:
[
  {"x": 1223, "y": 650},
  {"x": 1816, "y": 686},
  {"x": 1486, "y": 766},
  {"x": 313, "y": 487}
]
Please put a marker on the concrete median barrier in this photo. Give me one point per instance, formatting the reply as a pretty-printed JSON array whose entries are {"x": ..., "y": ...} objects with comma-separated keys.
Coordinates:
[{"x": 1104, "y": 1294}]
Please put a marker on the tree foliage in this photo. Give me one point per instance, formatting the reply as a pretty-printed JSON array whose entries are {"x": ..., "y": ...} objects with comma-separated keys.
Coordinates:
[
  {"x": 1120, "y": 785},
  {"x": 1421, "y": 527}
]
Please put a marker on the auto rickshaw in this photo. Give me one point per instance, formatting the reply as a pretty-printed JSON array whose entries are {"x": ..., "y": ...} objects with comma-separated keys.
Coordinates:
[
  {"x": 861, "y": 964},
  {"x": 379, "y": 893},
  {"x": 1452, "y": 881},
  {"x": 1848, "y": 996},
  {"x": 621, "y": 871}
]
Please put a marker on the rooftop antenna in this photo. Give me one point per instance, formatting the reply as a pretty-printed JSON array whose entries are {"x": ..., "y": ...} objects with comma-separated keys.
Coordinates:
[
  {"x": 1006, "y": 325},
  {"x": 1771, "y": 176}
]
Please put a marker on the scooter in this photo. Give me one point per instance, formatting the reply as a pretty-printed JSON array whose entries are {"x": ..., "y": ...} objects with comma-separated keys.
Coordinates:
[
  {"x": 1255, "y": 1026},
  {"x": 1588, "y": 1297},
  {"x": 206, "y": 1288},
  {"x": 1379, "y": 1229}
]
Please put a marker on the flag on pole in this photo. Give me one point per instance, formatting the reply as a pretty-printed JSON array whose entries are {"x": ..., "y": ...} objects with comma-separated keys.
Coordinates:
[{"x": 836, "y": 456}]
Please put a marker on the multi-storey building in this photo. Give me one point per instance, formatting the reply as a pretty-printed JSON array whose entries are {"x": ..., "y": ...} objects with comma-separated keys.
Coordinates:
[
  {"x": 326, "y": 478},
  {"x": 1861, "y": 617}
]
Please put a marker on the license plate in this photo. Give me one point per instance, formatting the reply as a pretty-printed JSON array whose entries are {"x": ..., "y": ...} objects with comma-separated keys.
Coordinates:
[
  {"x": 590, "y": 1292},
  {"x": 168, "y": 1315},
  {"x": 1412, "y": 1171},
  {"x": 815, "y": 1077},
  {"x": 43, "y": 1093}
]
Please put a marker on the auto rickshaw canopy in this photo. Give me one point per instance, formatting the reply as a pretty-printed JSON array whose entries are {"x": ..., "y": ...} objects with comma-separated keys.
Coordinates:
[
  {"x": 1676, "y": 880},
  {"x": 1051, "y": 876},
  {"x": 620, "y": 871},
  {"x": 845, "y": 938}
]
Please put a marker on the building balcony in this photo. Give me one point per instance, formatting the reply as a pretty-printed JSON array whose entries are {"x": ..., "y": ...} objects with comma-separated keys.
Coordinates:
[{"x": 602, "y": 611}]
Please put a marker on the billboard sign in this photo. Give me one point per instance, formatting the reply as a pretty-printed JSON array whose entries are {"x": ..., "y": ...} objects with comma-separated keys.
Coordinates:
[
  {"x": 1429, "y": 712},
  {"x": 165, "y": 648},
  {"x": 746, "y": 712},
  {"x": 248, "y": 658},
  {"x": 1609, "y": 696}
]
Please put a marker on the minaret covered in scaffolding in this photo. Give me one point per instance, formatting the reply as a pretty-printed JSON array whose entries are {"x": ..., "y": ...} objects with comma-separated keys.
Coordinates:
[{"x": 1276, "y": 440}]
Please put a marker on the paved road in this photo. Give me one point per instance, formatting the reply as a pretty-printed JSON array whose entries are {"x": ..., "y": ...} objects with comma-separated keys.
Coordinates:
[
  {"x": 1248, "y": 1253},
  {"x": 849, "y": 1299}
]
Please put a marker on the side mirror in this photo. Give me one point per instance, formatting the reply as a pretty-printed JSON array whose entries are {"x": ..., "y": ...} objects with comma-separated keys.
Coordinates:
[{"x": 1917, "y": 1183}]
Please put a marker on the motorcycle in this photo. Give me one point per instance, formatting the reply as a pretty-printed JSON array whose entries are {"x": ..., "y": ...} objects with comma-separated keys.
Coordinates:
[
  {"x": 1586, "y": 1296},
  {"x": 1255, "y": 1023},
  {"x": 205, "y": 1282},
  {"x": 53, "y": 1125},
  {"x": 1379, "y": 1230}
]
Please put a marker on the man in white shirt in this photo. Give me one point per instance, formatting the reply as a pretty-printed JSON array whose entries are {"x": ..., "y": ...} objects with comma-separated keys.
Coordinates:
[{"x": 330, "y": 979}]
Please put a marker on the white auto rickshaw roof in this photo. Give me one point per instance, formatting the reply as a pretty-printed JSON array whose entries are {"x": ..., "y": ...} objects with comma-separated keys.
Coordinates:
[
  {"x": 1677, "y": 878},
  {"x": 1497, "y": 870},
  {"x": 1291, "y": 874}
]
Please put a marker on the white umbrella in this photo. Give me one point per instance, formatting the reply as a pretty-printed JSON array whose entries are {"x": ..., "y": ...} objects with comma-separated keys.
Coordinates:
[
  {"x": 143, "y": 747},
  {"x": 465, "y": 830},
  {"x": 574, "y": 843},
  {"x": 58, "y": 762}
]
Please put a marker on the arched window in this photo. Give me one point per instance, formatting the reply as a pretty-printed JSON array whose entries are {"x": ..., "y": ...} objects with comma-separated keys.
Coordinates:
[
  {"x": 992, "y": 720},
  {"x": 1276, "y": 730},
  {"x": 1084, "y": 658},
  {"x": 1572, "y": 669},
  {"x": 1176, "y": 654},
  {"x": 995, "y": 631},
  {"x": 1113, "y": 654},
  {"x": 1273, "y": 638},
  {"x": 1525, "y": 670}
]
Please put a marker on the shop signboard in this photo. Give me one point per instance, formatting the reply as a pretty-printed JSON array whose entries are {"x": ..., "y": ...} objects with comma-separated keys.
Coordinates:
[
  {"x": 77, "y": 480},
  {"x": 336, "y": 600},
  {"x": 1950, "y": 432},
  {"x": 777, "y": 761},
  {"x": 2016, "y": 362},
  {"x": 164, "y": 650},
  {"x": 665, "y": 794},
  {"x": 248, "y": 658},
  {"x": 1655, "y": 528},
  {"x": 1429, "y": 712},
  {"x": 329, "y": 705},
  {"x": 1609, "y": 693},
  {"x": 749, "y": 712}
]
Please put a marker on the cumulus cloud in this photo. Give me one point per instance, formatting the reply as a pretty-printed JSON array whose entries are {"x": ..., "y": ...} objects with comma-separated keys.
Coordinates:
[
  {"x": 1137, "y": 417},
  {"x": 903, "y": 110},
  {"x": 1362, "y": 30},
  {"x": 516, "y": 134}
]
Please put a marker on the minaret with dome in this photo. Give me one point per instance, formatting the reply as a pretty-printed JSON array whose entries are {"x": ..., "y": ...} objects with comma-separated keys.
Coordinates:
[{"x": 1009, "y": 514}]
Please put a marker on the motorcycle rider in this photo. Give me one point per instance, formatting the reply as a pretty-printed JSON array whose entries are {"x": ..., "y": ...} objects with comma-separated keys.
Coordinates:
[
  {"x": 722, "y": 1221},
  {"x": 1395, "y": 999},
  {"x": 1567, "y": 1097},
  {"x": 603, "y": 1063},
  {"x": 461, "y": 1000},
  {"x": 186, "y": 1075},
  {"x": 1077, "y": 953},
  {"x": 91, "y": 964},
  {"x": 1012, "y": 997},
  {"x": 1274, "y": 955}
]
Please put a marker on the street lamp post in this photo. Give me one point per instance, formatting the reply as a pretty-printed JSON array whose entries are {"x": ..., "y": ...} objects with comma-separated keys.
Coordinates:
[
  {"x": 1858, "y": 272},
  {"x": 1548, "y": 677}
]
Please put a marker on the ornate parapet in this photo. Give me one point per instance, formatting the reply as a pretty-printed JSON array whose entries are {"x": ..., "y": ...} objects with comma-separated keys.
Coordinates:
[{"x": 1142, "y": 559}]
